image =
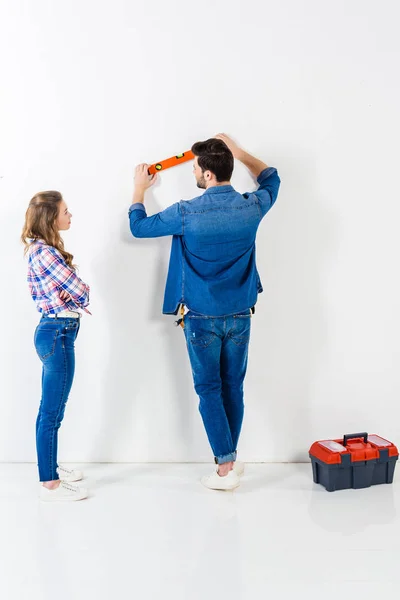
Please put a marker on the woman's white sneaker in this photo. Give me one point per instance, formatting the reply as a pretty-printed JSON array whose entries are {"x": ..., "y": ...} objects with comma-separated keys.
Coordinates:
[
  {"x": 238, "y": 467},
  {"x": 69, "y": 476},
  {"x": 65, "y": 492},
  {"x": 216, "y": 482}
]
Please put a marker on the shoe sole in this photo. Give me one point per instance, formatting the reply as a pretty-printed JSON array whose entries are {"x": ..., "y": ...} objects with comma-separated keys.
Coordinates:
[
  {"x": 224, "y": 489},
  {"x": 49, "y": 501}
]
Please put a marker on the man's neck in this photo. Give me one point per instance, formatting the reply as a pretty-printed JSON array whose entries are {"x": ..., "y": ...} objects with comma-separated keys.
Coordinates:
[{"x": 217, "y": 184}]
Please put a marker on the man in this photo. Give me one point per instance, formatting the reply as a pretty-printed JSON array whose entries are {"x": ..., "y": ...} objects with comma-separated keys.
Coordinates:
[{"x": 213, "y": 274}]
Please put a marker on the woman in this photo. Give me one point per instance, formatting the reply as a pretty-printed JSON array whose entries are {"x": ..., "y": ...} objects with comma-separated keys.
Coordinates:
[{"x": 59, "y": 294}]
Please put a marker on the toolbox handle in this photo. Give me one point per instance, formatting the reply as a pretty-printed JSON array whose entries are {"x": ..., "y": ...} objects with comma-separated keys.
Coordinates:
[{"x": 351, "y": 436}]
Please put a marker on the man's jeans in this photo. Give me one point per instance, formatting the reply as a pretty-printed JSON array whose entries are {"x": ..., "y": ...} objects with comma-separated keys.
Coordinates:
[
  {"x": 218, "y": 349},
  {"x": 54, "y": 342}
]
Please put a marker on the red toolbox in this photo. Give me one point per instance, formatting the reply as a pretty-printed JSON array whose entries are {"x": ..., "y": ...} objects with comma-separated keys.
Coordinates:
[{"x": 357, "y": 460}]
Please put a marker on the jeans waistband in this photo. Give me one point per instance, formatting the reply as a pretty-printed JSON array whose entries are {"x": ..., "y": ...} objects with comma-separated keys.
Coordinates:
[{"x": 236, "y": 314}]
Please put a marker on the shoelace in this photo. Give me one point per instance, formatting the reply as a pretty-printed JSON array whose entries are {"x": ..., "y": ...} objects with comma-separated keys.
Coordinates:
[
  {"x": 69, "y": 487},
  {"x": 65, "y": 470}
]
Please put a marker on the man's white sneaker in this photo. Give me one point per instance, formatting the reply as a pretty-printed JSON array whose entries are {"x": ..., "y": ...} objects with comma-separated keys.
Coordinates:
[
  {"x": 216, "y": 482},
  {"x": 64, "y": 493},
  {"x": 238, "y": 467},
  {"x": 69, "y": 476}
]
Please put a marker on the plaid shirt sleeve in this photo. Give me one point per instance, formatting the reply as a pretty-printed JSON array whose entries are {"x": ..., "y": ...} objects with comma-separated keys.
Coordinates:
[{"x": 50, "y": 264}]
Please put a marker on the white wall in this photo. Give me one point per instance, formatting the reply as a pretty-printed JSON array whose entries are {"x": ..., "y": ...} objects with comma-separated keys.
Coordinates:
[{"x": 89, "y": 89}]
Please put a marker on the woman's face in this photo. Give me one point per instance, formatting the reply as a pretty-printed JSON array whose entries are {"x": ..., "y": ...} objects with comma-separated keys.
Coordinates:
[{"x": 64, "y": 217}]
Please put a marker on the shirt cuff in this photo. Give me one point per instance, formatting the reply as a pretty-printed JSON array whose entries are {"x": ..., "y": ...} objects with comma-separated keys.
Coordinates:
[
  {"x": 137, "y": 206},
  {"x": 265, "y": 174}
]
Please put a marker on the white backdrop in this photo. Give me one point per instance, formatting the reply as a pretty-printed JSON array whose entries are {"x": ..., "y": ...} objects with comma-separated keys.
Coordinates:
[{"x": 89, "y": 89}]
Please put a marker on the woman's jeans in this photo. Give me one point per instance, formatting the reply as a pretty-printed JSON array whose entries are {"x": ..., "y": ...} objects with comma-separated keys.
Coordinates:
[
  {"x": 218, "y": 349},
  {"x": 54, "y": 343}
]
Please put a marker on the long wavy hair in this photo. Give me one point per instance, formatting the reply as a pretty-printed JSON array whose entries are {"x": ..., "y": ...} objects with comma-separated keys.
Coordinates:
[{"x": 41, "y": 223}]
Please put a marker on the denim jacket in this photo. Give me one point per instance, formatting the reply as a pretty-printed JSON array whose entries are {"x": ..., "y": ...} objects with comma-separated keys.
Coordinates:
[{"x": 212, "y": 267}]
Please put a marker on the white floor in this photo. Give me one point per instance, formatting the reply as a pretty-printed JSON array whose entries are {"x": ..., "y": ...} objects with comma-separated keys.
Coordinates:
[{"x": 153, "y": 532}]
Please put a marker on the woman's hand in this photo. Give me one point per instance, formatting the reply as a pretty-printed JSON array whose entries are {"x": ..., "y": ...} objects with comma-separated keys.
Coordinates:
[{"x": 65, "y": 297}]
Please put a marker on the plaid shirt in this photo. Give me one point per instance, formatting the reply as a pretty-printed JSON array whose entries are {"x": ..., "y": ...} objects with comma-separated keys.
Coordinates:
[{"x": 48, "y": 274}]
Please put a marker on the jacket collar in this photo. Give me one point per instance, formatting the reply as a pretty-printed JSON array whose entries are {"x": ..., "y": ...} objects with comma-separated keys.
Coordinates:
[{"x": 219, "y": 189}]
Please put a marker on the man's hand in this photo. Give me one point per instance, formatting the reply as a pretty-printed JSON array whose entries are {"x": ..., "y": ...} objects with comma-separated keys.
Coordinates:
[
  {"x": 254, "y": 165},
  {"x": 142, "y": 178},
  {"x": 233, "y": 147}
]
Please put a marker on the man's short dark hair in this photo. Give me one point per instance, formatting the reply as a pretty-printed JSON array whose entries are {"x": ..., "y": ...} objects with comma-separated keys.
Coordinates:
[{"x": 214, "y": 155}]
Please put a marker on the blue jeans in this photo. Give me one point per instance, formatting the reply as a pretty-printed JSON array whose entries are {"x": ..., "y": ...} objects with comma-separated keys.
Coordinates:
[
  {"x": 218, "y": 350},
  {"x": 54, "y": 343}
]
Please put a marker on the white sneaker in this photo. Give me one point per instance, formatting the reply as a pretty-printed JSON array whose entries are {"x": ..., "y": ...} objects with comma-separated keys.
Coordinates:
[
  {"x": 69, "y": 476},
  {"x": 238, "y": 467},
  {"x": 64, "y": 493},
  {"x": 216, "y": 482}
]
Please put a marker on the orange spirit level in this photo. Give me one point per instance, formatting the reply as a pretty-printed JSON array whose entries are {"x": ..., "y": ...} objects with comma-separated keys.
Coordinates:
[{"x": 171, "y": 162}]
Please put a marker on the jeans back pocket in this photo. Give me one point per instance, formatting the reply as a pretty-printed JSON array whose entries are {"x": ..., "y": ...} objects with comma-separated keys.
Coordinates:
[
  {"x": 199, "y": 331},
  {"x": 45, "y": 341},
  {"x": 240, "y": 332}
]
